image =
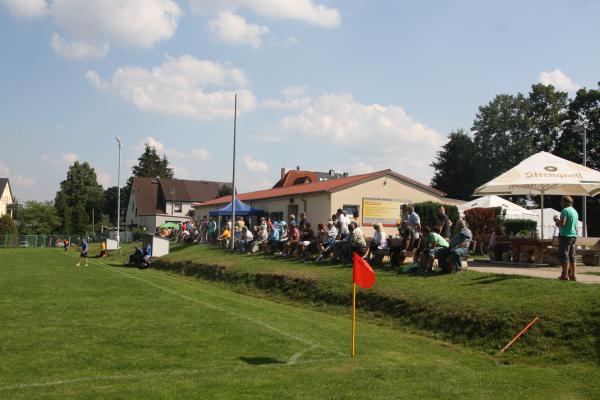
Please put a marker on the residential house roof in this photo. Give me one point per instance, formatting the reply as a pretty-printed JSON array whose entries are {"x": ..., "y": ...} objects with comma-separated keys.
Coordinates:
[
  {"x": 150, "y": 193},
  {"x": 323, "y": 186},
  {"x": 4, "y": 182}
]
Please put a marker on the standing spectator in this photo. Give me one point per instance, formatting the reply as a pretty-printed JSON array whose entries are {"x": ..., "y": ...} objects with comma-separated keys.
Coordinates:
[
  {"x": 303, "y": 221},
  {"x": 103, "y": 249},
  {"x": 415, "y": 223},
  {"x": 203, "y": 239},
  {"x": 567, "y": 236},
  {"x": 342, "y": 220},
  {"x": 458, "y": 247},
  {"x": 291, "y": 220},
  {"x": 212, "y": 230},
  {"x": 356, "y": 217},
  {"x": 444, "y": 223}
]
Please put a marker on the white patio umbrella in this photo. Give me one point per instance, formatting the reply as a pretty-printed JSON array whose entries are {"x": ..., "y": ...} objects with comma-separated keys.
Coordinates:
[
  {"x": 544, "y": 173},
  {"x": 492, "y": 201}
]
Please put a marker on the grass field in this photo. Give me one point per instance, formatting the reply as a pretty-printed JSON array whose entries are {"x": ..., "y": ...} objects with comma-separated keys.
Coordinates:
[{"x": 120, "y": 333}]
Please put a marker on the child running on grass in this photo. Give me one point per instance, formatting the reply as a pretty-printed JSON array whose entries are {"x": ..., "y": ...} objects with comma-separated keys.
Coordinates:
[{"x": 84, "y": 253}]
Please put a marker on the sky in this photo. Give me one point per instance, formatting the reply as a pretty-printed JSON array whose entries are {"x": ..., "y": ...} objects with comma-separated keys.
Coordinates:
[{"x": 354, "y": 86}]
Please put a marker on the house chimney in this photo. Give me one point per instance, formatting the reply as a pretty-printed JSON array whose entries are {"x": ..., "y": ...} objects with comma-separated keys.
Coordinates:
[
  {"x": 331, "y": 172},
  {"x": 297, "y": 168},
  {"x": 346, "y": 174},
  {"x": 282, "y": 172}
]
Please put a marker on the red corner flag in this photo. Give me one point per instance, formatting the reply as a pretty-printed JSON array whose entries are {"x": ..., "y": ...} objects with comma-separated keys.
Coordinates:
[{"x": 362, "y": 272}]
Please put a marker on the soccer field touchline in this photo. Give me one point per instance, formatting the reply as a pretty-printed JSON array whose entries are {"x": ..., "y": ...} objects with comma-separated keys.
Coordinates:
[{"x": 292, "y": 360}]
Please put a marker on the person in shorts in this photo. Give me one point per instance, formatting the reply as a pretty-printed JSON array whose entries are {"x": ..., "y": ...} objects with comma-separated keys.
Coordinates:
[
  {"x": 84, "y": 253},
  {"x": 567, "y": 236}
]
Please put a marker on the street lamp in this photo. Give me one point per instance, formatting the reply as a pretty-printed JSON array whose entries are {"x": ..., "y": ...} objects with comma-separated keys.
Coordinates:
[
  {"x": 581, "y": 129},
  {"x": 119, "y": 194}
]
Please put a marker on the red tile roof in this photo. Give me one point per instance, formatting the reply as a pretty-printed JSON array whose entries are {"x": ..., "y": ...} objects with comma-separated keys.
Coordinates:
[
  {"x": 295, "y": 177},
  {"x": 327, "y": 186},
  {"x": 146, "y": 196}
]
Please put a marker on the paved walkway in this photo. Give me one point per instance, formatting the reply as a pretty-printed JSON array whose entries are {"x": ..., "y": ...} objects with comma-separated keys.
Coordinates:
[{"x": 537, "y": 272}]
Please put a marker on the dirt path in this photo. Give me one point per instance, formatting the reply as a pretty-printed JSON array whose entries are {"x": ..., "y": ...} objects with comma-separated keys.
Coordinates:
[{"x": 537, "y": 272}]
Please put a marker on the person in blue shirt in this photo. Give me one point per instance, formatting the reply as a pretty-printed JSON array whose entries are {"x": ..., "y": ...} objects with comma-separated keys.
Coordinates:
[
  {"x": 458, "y": 247},
  {"x": 567, "y": 236},
  {"x": 84, "y": 253}
]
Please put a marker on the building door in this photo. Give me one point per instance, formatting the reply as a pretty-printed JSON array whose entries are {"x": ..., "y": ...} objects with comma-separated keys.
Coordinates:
[{"x": 293, "y": 209}]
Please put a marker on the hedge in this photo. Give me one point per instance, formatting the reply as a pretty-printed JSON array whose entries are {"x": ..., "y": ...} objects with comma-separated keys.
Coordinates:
[
  {"x": 514, "y": 226},
  {"x": 428, "y": 212}
]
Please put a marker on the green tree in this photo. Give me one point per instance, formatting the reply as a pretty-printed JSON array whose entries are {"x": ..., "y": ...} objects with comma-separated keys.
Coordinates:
[
  {"x": 110, "y": 202},
  {"x": 454, "y": 170},
  {"x": 547, "y": 112},
  {"x": 151, "y": 165},
  {"x": 79, "y": 194},
  {"x": 225, "y": 190},
  {"x": 39, "y": 218},
  {"x": 7, "y": 226}
]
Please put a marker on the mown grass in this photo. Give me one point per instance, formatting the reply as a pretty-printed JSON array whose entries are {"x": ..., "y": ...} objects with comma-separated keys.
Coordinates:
[
  {"x": 476, "y": 309},
  {"x": 106, "y": 332}
]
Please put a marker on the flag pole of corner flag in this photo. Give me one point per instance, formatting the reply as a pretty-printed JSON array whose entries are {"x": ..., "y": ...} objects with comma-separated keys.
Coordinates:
[{"x": 362, "y": 275}]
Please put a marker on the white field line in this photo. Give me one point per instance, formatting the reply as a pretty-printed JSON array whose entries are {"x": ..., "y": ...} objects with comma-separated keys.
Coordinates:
[
  {"x": 97, "y": 378},
  {"x": 300, "y": 339}
]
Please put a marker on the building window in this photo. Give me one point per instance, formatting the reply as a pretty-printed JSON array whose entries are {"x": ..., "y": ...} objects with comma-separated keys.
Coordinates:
[
  {"x": 350, "y": 209},
  {"x": 172, "y": 189},
  {"x": 132, "y": 204},
  {"x": 276, "y": 216},
  {"x": 177, "y": 207}
]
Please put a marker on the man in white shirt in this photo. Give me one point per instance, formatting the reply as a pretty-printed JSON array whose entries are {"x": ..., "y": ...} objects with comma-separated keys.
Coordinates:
[{"x": 343, "y": 221}]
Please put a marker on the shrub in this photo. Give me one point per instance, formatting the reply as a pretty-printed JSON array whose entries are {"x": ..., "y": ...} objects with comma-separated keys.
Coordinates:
[
  {"x": 514, "y": 226},
  {"x": 428, "y": 212}
]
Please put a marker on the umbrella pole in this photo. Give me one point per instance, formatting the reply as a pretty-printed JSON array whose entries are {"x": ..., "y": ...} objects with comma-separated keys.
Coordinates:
[{"x": 542, "y": 227}]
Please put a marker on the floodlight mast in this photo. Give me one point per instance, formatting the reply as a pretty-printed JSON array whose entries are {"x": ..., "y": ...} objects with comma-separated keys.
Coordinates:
[
  {"x": 119, "y": 194},
  {"x": 582, "y": 129}
]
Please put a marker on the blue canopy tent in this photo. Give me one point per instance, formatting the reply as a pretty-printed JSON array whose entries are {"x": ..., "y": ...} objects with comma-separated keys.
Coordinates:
[{"x": 242, "y": 209}]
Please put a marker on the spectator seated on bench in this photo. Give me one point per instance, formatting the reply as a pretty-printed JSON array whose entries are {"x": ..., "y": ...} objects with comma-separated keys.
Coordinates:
[
  {"x": 331, "y": 233},
  {"x": 260, "y": 241},
  {"x": 378, "y": 246},
  {"x": 135, "y": 258},
  {"x": 457, "y": 249},
  {"x": 224, "y": 239},
  {"x": 400, "y": 247}
]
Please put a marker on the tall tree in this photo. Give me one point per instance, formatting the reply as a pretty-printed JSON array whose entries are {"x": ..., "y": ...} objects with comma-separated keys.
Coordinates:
[
  {"x": 150, "y": 164},
  {"x": 39, "y": 218},
  {"x": 454, "y": 170},
  {"x": 501, "y": 135},
  {"x": 547, "y": 111},
  {"x": 79, "y": 193},
  {"x": 110, "y": 202}
]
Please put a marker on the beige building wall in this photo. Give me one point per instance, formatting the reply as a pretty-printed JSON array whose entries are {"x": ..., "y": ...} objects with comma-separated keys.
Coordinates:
[
  {"x": 5, "y": 200},
  {"x": 385, "y": 187}
]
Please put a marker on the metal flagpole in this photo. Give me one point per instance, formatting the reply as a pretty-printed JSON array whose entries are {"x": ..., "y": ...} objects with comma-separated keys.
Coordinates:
[
  {"x": 119, "y": 196},
  {"x": 353, "y": 319},
  {"x": 233, "y": 178}
]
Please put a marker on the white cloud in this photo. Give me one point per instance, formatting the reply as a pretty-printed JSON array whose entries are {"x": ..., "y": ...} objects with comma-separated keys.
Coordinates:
[
  {"x": 181, "y": 86},
  {"x": 559, "y": 80},
  {"x": 16, "y": 180},
  {"x": 270, "y": 138},
  {"x": 24, "y": 181},
  {"x": 255, "y": 165},
  {"x": 231, "y": 28},
  {"x": 69, "y": 158},
  {"x": 172, "y": 153},
  {"x": 4, "y": 171},
  {"x": 103, "y": 178},
  {"x": 138, "y": 23},
  {"x": 201, "y": 154},
  {"x": 180, "y": 172},
  {"x": 301, "y": 10},
  {"x": 294, "y": 97},
  {"x": 26, "y": 8},
  {"x": 383, "y": 136},
  {"x": 78, "y": 49}
]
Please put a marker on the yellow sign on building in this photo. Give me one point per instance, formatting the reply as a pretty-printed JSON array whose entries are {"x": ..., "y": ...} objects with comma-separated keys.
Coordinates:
[{"x": 386, "y": 211}]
